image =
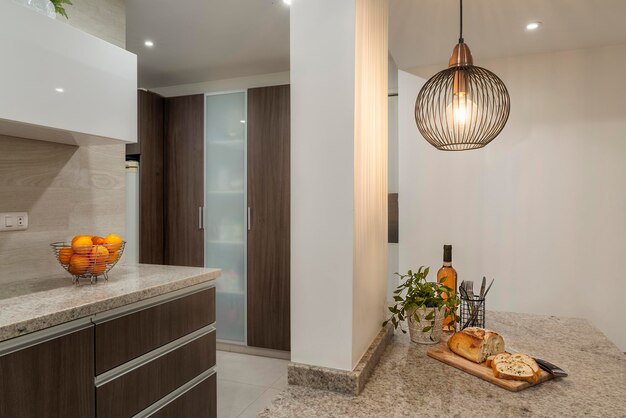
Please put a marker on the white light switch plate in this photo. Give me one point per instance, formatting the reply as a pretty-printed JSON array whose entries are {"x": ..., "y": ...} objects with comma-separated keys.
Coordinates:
[{"x": 13, "y": 221}]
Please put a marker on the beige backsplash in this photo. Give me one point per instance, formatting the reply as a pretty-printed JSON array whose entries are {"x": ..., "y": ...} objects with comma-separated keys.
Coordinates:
[{"x": 66, "y": 190}]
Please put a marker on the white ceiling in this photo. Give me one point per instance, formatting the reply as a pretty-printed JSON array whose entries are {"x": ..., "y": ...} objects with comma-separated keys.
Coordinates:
[
  {"x": 203, "y": 40},
  {"x": 423, "y": 32}
]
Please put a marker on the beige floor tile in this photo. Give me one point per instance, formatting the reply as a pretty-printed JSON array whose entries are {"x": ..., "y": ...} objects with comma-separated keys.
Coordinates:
[
  {"x": 253, "y": 370},
  {"x": 260, "y": 403},
  {"x": 233, "y": 397}
]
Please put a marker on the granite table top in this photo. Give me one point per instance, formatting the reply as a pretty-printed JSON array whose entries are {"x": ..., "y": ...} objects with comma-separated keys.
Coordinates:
[
  {"x": 34, "y": 304},
  {"x": 407, "y": 383}
]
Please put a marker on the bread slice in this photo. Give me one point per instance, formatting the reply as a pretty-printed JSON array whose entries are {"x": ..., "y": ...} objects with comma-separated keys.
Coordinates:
[
  {"x": 516, "y": 370},
  {"x": 476, "y": 344},
  {"x": 515, "y": 367},
  {"x": 526, "y": 359},
  {"x": 501, "y": 358}
]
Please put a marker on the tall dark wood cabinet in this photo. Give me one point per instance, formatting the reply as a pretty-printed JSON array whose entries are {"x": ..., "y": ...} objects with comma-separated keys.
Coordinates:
[
  {"x": 171, "y": 151},
  {"x": 269, "y": 224},
  {"x": 184, "y": 180},
  {"x": 149, "y": 151}
]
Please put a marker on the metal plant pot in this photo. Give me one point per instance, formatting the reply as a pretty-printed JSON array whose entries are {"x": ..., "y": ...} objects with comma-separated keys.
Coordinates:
[{"x": 432, "y": 335}]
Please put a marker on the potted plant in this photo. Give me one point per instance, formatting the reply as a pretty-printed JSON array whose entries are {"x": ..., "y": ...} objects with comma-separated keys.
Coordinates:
[
  {"x": 59, "y": 8},
  {"x": 423, "y": 305}
]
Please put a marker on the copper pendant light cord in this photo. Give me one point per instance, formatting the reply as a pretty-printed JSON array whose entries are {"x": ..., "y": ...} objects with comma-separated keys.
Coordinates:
[
  {"x": 461, "y": 21},
  {"x": 461, "y": 55}
]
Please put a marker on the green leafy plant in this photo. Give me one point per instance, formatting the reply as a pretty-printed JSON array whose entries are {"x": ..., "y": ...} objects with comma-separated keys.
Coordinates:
[
  {"x": 416, "y": 292},
  {"x": 59, "y": 8}
]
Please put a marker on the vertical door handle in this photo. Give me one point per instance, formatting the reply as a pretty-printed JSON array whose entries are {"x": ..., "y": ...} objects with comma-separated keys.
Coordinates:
[
  {"x": 201, "y": 217},
  {"x": 249, "y": 220}
]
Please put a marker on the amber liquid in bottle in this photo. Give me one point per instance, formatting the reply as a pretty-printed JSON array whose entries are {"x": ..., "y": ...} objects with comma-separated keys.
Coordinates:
[{"x": 447, "y": 276}]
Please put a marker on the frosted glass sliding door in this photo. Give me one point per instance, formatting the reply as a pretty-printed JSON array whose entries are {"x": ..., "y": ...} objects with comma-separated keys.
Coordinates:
[{"x": 226, "y": 210}]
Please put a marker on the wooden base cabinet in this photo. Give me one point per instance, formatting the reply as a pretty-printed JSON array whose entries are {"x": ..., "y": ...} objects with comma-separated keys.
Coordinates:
[
  {"x": 53, "y": 378},
  {"x": 154, "y": 358}
]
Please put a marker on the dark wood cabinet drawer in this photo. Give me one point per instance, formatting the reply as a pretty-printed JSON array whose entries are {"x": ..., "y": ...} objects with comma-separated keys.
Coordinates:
[
  {"x": 138, "y": 388},
  {"x": 199, "y": 402},
  {"x": 122, "y": 339},
  {"x": 50, "y": 379}
]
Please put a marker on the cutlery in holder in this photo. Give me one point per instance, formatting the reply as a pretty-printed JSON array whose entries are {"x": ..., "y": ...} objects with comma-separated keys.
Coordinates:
[{"x": 472, "y": 312}]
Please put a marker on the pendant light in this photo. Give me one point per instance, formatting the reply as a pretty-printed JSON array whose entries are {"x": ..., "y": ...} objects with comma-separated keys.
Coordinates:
[{"x": 464, "y": 106}]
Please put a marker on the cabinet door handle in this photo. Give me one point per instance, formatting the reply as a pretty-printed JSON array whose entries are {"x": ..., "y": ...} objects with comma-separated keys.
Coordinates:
[
  {"x": 201, "y": 217},
  {"x": 249, "y": 220}
]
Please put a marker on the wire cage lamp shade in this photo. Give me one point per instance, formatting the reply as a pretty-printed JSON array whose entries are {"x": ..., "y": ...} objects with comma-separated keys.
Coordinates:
[
  {"x": 454, "y": 120},
  {"x": 463, "y": 107}
]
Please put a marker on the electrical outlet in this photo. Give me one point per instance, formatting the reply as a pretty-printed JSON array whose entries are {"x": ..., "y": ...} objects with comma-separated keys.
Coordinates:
[{"x": 13, "y": 221}]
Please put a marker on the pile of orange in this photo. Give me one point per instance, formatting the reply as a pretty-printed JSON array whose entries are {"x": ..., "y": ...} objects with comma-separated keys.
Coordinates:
[{"x": 90, "y": 254}]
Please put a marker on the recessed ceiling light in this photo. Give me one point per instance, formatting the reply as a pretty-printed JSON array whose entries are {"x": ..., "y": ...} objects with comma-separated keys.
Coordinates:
[
  {"x": 242, "y": 121},
  {"x": 533, "y": 25},
  {"x": 149, "y": 43},
  {"x": 59, "y": 90},
  {"x": 287, "y": 2}
]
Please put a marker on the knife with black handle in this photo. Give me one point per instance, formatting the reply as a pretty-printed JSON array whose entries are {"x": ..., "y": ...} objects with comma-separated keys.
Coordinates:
[{"x": 553, "y": 369}]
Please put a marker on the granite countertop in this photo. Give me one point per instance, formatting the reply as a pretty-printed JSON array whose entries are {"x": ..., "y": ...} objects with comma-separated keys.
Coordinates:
[
  {"x": 34, "y": 304},
  {"x": 407, "y": 383}
]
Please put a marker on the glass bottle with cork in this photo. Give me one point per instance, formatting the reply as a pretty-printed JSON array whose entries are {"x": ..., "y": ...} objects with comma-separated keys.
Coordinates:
[{"x": 447, "y": 276}]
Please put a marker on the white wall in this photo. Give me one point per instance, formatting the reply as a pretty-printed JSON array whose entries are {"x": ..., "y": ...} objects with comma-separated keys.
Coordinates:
[
  {"x": 542, "y": 209},
  {"x": 338, "y": 179},
  {"x": 370, "y": 173},
  {"x": 393, "y": 248},
  {"x": 322, "y": 177}
]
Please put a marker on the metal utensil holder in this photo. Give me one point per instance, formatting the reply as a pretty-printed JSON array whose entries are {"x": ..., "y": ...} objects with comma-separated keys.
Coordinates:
[{"x": 472, "y": 312}]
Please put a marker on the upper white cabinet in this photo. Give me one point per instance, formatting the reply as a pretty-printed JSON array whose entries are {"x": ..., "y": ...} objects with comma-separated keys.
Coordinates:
[{"x": 60, "y": 84}]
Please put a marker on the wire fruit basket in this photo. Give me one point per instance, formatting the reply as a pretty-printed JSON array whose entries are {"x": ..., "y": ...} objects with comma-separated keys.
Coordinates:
[{"x": 88, "y": 261}]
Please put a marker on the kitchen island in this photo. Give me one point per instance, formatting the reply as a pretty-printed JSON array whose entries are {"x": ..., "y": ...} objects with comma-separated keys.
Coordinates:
[
  {"x": 407, "y": 383},
  {"x": 140, "y": 344}
]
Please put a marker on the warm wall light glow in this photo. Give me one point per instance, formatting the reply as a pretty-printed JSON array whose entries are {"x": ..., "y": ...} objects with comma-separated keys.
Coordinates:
[
  {"x": 59, "y": 90},
  {"x": 533, "y": 25},
  {"x": 287, "y": 2},
  {"x": 149, "y": 44}
]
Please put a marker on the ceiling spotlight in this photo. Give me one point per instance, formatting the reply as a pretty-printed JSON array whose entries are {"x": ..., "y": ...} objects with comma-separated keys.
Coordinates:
[
  {"x": 149, "y": 44},
  {"x": 59, "y": 90},
  {"x": 287, "y": 2},
  {"x": 533, "y": 25}
]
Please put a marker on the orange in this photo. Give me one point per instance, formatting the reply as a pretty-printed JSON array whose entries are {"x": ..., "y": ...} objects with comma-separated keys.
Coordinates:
[
  {"x": 98, "y": 269},
  {"x": 79, "y": 264},
  {"x": 113, "y": 255},
  {"x": 65, "y": 254},
  {"x": 99, "y": 254},
  {"x": 113, "y": 242},
  {"x": 99, "y": 257},
  {"x": 81, "y": 244},
  {"x": 97, "y": 240}
]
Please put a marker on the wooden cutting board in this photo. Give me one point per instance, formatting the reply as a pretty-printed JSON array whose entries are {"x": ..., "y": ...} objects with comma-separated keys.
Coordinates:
[{"x": 442, "y": 353}]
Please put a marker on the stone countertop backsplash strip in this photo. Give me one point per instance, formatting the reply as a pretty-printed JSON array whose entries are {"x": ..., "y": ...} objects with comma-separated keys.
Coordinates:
[{"x": 36, "y": 304}]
